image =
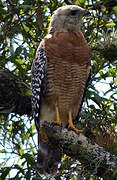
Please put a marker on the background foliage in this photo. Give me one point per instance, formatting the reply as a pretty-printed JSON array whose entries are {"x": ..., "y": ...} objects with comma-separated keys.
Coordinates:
[{"x": 23, "y": 24}]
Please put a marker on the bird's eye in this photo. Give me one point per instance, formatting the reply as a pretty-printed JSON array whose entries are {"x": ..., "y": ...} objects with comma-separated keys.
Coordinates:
[{"x": 73, "y": 12}]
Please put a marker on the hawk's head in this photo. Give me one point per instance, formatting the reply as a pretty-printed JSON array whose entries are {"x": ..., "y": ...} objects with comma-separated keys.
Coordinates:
[{"x": 67, "y": 18}]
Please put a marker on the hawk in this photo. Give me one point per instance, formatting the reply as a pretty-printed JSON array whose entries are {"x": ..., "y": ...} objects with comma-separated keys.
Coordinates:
[{"x": 60, "y": 73}]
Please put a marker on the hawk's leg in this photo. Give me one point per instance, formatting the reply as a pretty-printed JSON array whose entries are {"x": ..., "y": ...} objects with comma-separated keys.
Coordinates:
[
  {"x": 58, "y": 120},
  {"x": 71, "y": 125}
]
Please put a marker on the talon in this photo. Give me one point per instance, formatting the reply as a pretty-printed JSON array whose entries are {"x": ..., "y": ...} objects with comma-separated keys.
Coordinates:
[
  {"x": 57, "y": 123},
  {"x": 75, "y": 129},
  {"x": 71, "y": 125}
]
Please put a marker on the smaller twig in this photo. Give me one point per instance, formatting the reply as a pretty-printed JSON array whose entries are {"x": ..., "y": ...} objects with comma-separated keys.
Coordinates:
[
  {"x": 40, "y": 17},
  {"x": 67, "y": 2}
]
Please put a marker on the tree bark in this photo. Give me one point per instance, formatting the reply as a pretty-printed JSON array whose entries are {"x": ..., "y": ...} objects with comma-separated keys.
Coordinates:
[{"x": 93, "y": 157}]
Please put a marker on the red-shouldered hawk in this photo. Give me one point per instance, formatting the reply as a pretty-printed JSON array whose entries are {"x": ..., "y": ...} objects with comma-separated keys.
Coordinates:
[{"x": 60, "y": 73}]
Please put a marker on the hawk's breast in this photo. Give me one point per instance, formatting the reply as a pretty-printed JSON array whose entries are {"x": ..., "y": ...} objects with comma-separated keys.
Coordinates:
[{"x": 68, "y": 61}]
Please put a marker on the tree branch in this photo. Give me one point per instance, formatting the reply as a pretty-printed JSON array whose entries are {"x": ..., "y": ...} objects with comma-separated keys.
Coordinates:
[{"x": 93, "y": 157}]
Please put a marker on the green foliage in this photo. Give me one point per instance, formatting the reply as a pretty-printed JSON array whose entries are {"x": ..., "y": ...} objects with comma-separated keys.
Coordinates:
[{"x": 20, "y": 34}]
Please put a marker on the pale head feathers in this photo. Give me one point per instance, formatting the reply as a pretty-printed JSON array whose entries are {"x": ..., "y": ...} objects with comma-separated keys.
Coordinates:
[{"x": 66, "y": 18}]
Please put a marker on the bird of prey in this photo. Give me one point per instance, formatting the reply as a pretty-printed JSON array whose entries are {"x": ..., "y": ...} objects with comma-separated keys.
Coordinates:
[{"x": 60, "y": 72}]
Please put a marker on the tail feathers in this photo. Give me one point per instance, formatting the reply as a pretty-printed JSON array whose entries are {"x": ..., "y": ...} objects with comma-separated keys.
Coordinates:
[{"x": 48, "y": 159}]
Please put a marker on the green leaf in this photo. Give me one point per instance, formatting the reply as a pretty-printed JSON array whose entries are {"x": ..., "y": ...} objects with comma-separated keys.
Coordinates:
[
  {"x": 7, "y": 111},
  {"x": 3, "y": 151},
  {"x": 29, "y": 158},
  {"x": 97, "y": 99},
  {"x": 21, "y": 151},
  {"x": 5, "y": 171},
  {"x": 115, "y": 9},
  {"x": 110, "y": 24}
]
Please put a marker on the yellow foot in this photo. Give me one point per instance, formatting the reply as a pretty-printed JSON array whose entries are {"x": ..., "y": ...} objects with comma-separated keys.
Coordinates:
[{"x": 71, "y": 125}]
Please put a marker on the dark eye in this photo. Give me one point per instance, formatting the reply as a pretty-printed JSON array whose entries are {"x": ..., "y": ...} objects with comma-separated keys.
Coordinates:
[{"x": 73, "y": 12}]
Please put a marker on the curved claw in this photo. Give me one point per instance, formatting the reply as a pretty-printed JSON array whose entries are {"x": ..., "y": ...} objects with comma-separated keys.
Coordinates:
[
  {"x": 58, "y": 123},
  {"x": 74, "y": 129}
]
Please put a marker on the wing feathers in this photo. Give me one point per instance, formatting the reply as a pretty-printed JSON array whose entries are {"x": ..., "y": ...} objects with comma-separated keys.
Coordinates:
[
  {"x": 84, "y": 94},
  {"x": 38, "y": 75}
]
